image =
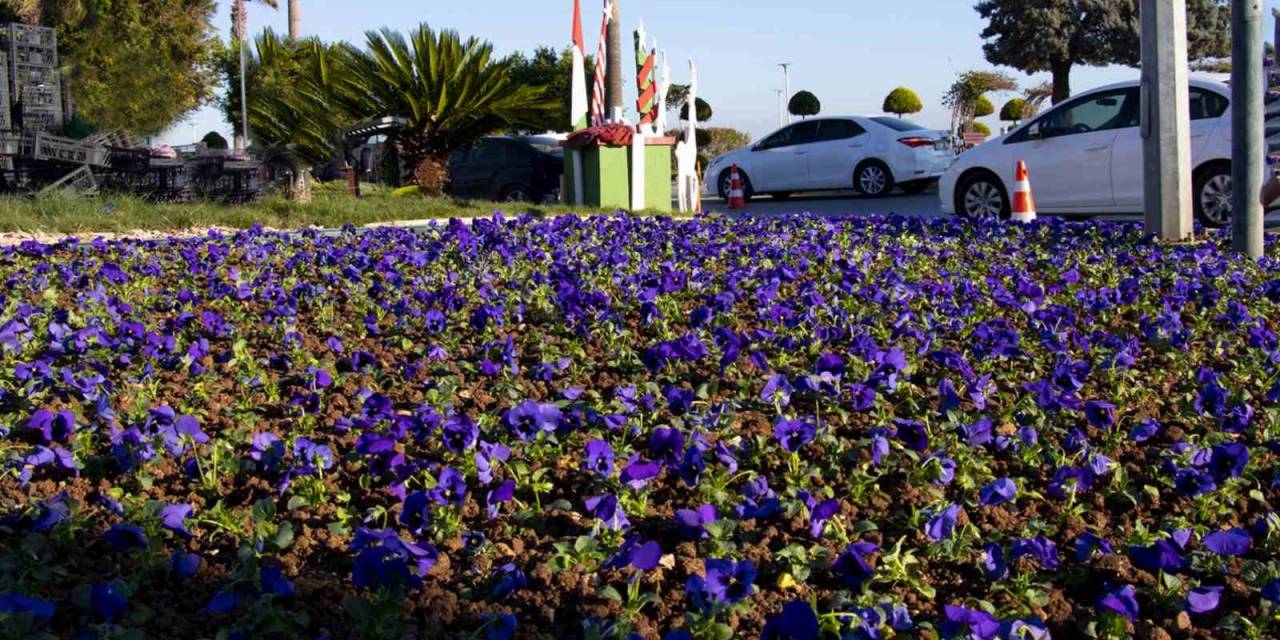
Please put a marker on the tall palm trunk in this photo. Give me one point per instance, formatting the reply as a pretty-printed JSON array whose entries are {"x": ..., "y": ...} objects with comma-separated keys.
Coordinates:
[
  {"x": 613, "y": 62},
  {"x": 295, "y": 19}
]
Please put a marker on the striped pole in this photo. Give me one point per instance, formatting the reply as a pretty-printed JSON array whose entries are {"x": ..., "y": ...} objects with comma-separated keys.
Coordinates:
[
  {"x": 645, "y": 89},
  {"x": 597, "y": 85}
]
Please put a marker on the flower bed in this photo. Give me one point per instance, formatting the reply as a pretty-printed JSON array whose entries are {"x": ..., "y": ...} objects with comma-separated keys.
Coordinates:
[{"x": 597, "y": 427}]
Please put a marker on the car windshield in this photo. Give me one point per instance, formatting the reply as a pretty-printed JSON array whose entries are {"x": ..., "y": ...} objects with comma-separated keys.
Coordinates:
[
  {"x": 554, "y": 150},
  {"x": 897, "y": 124}
]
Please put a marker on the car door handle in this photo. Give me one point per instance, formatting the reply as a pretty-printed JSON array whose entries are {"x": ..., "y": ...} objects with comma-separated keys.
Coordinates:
[
  {"x": 1098, "y": 147},
  {"x": 800, "y": 153}
]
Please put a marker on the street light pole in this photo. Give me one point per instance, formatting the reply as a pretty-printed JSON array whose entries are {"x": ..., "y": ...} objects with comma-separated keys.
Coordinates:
[
  {"x": 1166, "y": 120},
  {"x": 786, "y": 84},
  {"x": 782, "y": 109},
  {"x": 1247, "y": 132}
]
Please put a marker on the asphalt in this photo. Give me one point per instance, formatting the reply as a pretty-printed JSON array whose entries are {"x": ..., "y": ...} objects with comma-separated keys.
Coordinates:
[{"x": 838, "y": 204}]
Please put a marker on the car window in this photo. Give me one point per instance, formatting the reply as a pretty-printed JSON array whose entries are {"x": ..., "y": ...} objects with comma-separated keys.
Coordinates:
[
  {"x": 779, "y": 138},
  {"x": 805, "y": 133},
  {"x": 1098, "y": 112},
  {"x": 489, "y": 151},
  {"x": 459, "y": 156},
  {"x": 897, "y": 124},
  {"x": 1207, "y": 104},
  {"x": 838, "y": 130},
  {"x": 518, "y": 152}
]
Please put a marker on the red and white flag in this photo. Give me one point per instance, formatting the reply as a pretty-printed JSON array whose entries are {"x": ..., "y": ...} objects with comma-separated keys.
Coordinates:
[{"x": 597, "y": 87}]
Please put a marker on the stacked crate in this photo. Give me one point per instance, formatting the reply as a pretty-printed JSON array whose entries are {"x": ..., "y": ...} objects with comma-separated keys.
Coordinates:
[{"x": 33, "y": 81}]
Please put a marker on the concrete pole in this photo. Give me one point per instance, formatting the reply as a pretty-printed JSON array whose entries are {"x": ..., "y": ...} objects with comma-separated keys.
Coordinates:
[
  {"x": 782, "y": 108},
  {"x": 1248, "y": 138},
  {"x": 1166, "y": 120},
  {"x": 613, "y": 59},
  {"x": 786, "y": 86}
]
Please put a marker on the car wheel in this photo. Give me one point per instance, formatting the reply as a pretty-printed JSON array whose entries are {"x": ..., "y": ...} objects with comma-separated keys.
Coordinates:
[
  {"x": 982, "y": 196},
  {"x": 1213, "y": 195},
  {"x": 726, "y": 180},
  {"x": 516, "y": 193},
  {"x": 873, "y": 179},
  {"x": 912, "y": 188}
]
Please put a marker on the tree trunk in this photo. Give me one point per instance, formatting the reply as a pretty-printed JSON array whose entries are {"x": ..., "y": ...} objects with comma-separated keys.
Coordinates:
[
  {"x": 300, "y": 186},
  {"x": 613, "y": 60},
  {"x": 295, "y": 19},
  {"x": 1061, "y": 81}
]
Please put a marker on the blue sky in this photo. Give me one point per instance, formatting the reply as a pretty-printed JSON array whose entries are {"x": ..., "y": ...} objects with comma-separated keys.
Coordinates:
[{"x": 850, "y": 53}]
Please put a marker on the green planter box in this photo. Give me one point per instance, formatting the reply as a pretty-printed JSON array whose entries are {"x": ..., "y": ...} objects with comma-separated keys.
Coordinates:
[{"x": 606, "y": 176}]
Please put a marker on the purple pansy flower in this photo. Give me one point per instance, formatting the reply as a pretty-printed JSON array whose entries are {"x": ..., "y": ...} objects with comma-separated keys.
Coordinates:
[
  {"x": 531, "y": 418},
  {"x": 185, "y": 564},
  {"x": 691, "y": 524},
  {"x": 998, "y": 492},
  {"x": 1203, "y": 599},
  {"x": 1232, "y": 542},
  {"x": 598, "y": 458},
  {"x": 851, "y": 565},
  {"x": 1121, "y": 600},
  {"x": 943, "y": 523},
  {"x": 1162, "y": 555},
  {"x": 729, "y": 581},
  {"x": 459, "y": 433},
  {"x": 451, "y": 488},
  {"x": 796, "y": 621},
  {"x": 172, "y": 517},
  {"x": 960, "y": 621},
  {"x": 794, "y": 434},
  {"x": 126, "y": 536},
  {"x": 606, "y": 509}
]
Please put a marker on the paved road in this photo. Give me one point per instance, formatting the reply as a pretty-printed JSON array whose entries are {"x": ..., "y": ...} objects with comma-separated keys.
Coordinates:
[{"x": 922, "y": 205}]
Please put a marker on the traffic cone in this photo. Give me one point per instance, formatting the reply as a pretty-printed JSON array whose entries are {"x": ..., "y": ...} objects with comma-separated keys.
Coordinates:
[
  {"x": 736, "y": 199},
  {"x": 1024, "y": 203}
]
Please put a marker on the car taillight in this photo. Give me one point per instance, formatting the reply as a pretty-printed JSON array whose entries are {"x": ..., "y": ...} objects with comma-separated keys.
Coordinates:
[{"x": 916, "y": 142}]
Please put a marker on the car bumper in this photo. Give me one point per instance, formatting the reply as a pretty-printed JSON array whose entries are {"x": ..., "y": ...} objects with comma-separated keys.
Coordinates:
[{"x": 946, "y": 193}]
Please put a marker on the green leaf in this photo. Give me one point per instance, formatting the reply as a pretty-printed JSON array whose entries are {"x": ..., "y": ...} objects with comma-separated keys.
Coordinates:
[
  {"x": 284, "y": 537},
  {"x": 721, "y": 631},
  {"x": 611, "y": 593}
]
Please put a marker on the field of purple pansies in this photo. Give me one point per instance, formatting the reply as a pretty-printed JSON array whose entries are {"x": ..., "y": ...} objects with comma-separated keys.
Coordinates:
[{"x": 641, "y": 428}]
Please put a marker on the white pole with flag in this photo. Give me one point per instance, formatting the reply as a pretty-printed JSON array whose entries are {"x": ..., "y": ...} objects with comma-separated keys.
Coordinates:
[{"x": 578, "y": 104}]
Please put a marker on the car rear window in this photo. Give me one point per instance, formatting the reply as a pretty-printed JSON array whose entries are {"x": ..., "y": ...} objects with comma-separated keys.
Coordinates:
[{"x": 897, "y": 124}]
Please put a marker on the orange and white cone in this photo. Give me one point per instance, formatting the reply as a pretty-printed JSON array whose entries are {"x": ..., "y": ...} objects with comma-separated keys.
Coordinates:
[
  {"x": 1024, "y": 203},
  {"x": 736, "y": 199}
]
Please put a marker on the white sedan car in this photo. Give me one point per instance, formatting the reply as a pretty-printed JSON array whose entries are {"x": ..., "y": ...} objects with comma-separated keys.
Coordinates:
[
  {"x": 1084, "y": 156},
  {"x": 867, "y": 154}
]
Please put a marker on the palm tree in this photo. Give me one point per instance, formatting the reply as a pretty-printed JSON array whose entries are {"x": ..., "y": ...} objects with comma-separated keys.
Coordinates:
[
  {"x": 291, "y": 108},
  {"x": 295, "y": 19},
  {"x": 449, "y": 91}
]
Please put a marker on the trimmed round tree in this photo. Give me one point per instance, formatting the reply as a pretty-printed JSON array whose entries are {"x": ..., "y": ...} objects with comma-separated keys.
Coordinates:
[
  {"x": 983, "y": 107},
  {"x": 981, "y": 127},
  {"x": 1012, "y": 110},
  {"x": 804, "y": 104},
  {"x": 703, "y": 110},
  {"x": 902, "y": 101}
]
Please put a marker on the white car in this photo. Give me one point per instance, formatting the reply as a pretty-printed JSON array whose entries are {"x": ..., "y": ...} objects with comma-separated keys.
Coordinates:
[
  {"x": 1084, "y": 156},
  {"x": 867, "y": 154}
]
